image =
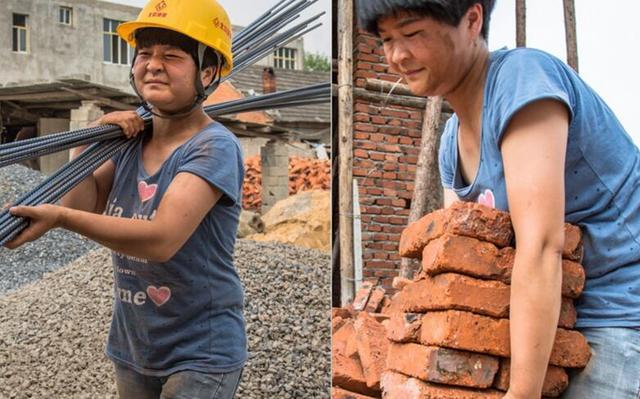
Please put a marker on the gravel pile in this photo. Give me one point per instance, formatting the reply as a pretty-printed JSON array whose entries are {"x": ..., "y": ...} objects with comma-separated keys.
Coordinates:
[
  {"x": 55, "y": 249},
  {"x": 52, "y": 332}
]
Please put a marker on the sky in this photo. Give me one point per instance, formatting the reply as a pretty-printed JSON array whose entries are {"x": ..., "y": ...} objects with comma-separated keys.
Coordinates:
[
  {"x": 243, "y": 12},
  {"x": 607, "y": 46}
]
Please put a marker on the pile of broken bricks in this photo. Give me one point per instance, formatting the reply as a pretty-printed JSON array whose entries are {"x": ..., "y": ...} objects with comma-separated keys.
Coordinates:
[{"x": 446, "y": 333}]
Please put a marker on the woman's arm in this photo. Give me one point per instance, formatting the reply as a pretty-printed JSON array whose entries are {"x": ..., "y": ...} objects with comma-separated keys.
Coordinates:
[
  {"x": 91, "y": 194},
  {"x": 185, "y": 203},
  {"x": 533, "y": 150}
]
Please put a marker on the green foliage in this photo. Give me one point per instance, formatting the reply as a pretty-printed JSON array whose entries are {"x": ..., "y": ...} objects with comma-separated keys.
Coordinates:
[{"x": 316, "y": 62}]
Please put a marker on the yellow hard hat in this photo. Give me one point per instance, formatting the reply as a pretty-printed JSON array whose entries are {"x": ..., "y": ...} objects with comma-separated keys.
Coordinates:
[{"x": 202, "y": 20}]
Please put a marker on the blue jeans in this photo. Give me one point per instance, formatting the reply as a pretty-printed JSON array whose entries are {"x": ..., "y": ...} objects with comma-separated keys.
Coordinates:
[
  {"x": 614, "y": 369},
  {"x": 181, "y": 385}
]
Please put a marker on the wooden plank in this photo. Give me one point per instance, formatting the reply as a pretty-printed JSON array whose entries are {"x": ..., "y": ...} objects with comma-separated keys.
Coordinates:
[
  {"x": 427, "y": 193},
  {"x": 521, "y": 23},
  {"x": 90, "y": 95},
  {"x": 570, "y": 33},
  {"x": 345, "y": 148}
]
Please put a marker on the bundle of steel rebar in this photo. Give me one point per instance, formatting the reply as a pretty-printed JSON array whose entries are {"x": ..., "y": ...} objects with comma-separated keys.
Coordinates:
[{"x": 251, "y": 44}]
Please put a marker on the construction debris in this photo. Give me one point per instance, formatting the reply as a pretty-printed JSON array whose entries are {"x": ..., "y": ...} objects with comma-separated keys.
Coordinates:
[
  {"x": 53, "y": 331},
  {"x": 445, "y": 334},
  {"x": 250, "y": 223},
  {"x": 303, "y": 219},
  {"x": 304, "y": 174}
]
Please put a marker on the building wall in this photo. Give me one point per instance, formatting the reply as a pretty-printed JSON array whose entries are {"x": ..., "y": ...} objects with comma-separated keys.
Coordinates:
[
  {"x": 56, "y": 50},
  {"x": 386, "y": 142}
]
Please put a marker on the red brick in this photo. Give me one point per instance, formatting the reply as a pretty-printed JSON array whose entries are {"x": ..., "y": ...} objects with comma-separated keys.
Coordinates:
[
  {"x": 475, "y": 258},
  {"x": 555, "y": 381},
  {"x": 341, "y": 336},
  {"x": 455, "y": 291},
  {"x": 404, "y": 327},
  {"x": 341, "y": 312},
  {"x": 362, "y": 296},
  {"x": 339, "y": 393},
  {"x": 568, "y": 314},
  {"x": 398, "y": 386},
  {"x": 375, "y": 300},
  {"x": 337, "y": 322},
  {"x": 347, "y": 373},
  {"x": 573, "y": 248},
  {"x": 372, "y": 348},
  {"x": 466, "y": 219},
  {"x": 442, "y": 365},
  {"x": 482, "y": 334}
]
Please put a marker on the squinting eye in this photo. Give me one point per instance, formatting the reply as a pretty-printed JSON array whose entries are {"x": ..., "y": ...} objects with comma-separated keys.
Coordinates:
[{"x": 412, "y": 34}]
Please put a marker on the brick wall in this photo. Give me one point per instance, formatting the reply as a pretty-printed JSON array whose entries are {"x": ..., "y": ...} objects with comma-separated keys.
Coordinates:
[{"x": 386, "y": 142}]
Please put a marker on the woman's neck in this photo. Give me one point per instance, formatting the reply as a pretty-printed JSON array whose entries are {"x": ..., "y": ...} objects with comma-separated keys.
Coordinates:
[
  {"x": 179, "y": 129},
  {"x": 467, "y": 98}
]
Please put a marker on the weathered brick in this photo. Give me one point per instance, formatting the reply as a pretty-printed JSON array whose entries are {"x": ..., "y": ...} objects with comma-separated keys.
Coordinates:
[
  {"x": 443, "y": 365},
  {"x": 467, "y": 331},
  {"x": 372, "y": 346},
  {"x": 464, "y": 255},
  {"x": 341, "y": 312},
  {"x": 404, "y": 327},
  {"x": 347, "y": 374},
  {"x": 339, "y": 393},
  {"x": 362, "y": 296},
  {"x": 455, "y": 291},
  {"x": 461, "y": 218},
  {"x": 341, "y": 336},
  {"x": 399, "y": 386},
  {"x": 568, "y": 314},
  {"x": 375, "y": 300},
  {"x": 573, "y": 248},
  {"x": 337, "y": 322},
  {"x": 555, "y": 381},
  {"x": 469, "y": 256}
]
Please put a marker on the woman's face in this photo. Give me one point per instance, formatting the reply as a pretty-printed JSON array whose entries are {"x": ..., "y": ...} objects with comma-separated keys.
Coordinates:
[
  {"x": 164, "y": 77},
  {"x": 431, "y": 56}
]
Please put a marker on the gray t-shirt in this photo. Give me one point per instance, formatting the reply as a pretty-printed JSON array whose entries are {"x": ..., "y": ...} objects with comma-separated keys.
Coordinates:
[
  {"x": 186, "y": 313},
  {"x": 602, "y": 176}
]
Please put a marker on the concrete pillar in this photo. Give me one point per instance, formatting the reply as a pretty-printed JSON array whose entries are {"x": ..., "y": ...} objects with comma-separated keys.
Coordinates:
[
  {"x": 80, "y": 117},
  {"x": 87, "y": 113},
  {"x": 51, "y": 163},
  {"x": 275, "y": 173}
]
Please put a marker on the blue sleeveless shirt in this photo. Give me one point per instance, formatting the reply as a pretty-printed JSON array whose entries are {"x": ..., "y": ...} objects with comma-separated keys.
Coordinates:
[{"x": 602, "y": 176}]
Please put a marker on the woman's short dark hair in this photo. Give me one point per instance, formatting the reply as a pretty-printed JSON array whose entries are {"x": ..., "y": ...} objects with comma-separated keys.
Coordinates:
[
  {"x": 147, "y": 37},
  {"x": 446, "y": 11}
]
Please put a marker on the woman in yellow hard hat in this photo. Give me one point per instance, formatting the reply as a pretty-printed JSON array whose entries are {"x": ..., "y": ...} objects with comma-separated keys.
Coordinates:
[{"x": 168, "y": 208}]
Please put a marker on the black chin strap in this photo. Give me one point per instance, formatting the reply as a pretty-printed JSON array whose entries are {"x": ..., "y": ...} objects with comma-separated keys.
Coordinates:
[{"x": 201, "y": 92}]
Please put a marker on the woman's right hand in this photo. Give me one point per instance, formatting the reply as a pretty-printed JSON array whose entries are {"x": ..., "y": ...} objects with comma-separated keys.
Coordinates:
[{"x": 129, "y": 121}]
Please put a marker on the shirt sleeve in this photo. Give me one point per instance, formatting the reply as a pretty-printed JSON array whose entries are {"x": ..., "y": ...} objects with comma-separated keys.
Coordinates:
[
  {"x": 218, "y": 160},
  {"x": 523, "y": 77},
  {"x": 445, "y": 160}
]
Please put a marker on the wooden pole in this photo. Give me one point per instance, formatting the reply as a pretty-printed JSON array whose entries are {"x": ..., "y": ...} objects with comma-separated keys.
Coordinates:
[
  {"x": 521, "y": 23},
  {"x": 570, "y": 33},
  {"x": 427, "y": 194},
  {"x": 345, "y": 144}
]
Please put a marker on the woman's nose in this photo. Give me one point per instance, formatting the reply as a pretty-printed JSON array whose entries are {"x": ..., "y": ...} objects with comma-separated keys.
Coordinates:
[
  {"x": 154, "y": 64},
  {"x": 397, "y": 53}
]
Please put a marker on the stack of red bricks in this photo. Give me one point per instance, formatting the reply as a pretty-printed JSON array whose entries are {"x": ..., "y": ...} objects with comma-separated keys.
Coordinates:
[
  {"x": 360, "y": 345},
  {"x": 449, "y": 327},
  {"x": 304, "y": 174}
]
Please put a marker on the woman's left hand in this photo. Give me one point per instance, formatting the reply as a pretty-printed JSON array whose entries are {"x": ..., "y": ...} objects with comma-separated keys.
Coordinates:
[{"x": 42, "y": 218}]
